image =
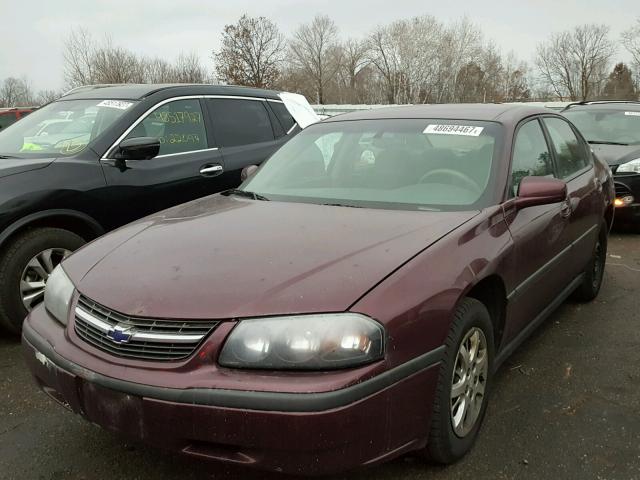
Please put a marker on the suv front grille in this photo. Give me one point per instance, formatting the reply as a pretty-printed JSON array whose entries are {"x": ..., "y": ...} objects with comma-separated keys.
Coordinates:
[
  {"x": 622, "y": 190},
  {"x": 134, "y": 337}
]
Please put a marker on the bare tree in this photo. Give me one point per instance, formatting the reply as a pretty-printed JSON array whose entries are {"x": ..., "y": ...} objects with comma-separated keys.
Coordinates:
[
  {"x": 158, "y": 70},
  {"x": 88, "y": 62},
  {"x": 79, "y": 49},
  {"x": 252, "y": 53},
  {"x": 515, "y": 79},
  {"x": 316, "y": 52},
  {"x": 188, "y": 69},
  {"x": 631, "y": 41},
  {"x": 16, "y": 92},
  {"x": 112, "y": 64},
  {"x": 575, "y": 63},
  {"x": 47, "y": 96},
  {"x": 402, "y": 52},
  {"x": 354, "y": 60},
  {"x": 461, "y": 43}
]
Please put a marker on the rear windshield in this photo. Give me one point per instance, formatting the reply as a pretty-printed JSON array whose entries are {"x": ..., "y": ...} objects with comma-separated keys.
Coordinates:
[
  {"x": 61, "y": 128},
  {"x": 617, "y": 125},
  {"x": 428, "y": 164}
]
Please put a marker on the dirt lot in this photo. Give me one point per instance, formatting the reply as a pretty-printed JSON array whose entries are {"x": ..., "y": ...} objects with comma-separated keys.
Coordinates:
[{"x": 566, "y": 405}]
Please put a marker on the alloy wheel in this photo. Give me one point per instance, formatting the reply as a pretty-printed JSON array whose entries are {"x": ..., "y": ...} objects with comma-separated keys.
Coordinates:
[
  {"x": 469, "y": 382},
  {"x": 36, "y": 273}
]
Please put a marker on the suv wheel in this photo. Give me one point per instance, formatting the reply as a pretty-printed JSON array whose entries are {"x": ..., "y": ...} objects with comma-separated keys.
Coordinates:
[
  {"x": 464, "y": 383},
  {"x": 25, "y": 266}
]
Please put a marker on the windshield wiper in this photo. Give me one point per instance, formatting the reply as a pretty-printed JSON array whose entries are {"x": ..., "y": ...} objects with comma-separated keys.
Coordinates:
[
  {"x": 245, "y": 193},
  {"x": 7, "y": 156},
  {"x": 603, "y": 142}
]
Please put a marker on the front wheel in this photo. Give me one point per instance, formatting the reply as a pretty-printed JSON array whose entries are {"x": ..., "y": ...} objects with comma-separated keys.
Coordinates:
[
  {"x": 594, "y": 273},
  {"x": 463, "y": 385},
  {"x": 25, "y": 266}
]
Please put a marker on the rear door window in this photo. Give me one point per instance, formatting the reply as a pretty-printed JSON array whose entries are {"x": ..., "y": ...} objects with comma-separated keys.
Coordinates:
[
  {"x": 285, "y": 118},
  {"x": 178, "y": 125},
  {"x": 571, "y": 152},
  {"x": 240, "y": 122},
  {"x": 531, "y": 155}
]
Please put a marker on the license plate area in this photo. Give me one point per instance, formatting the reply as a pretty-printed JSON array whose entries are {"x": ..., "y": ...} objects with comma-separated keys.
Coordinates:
[{"x": 115, "y": 411}]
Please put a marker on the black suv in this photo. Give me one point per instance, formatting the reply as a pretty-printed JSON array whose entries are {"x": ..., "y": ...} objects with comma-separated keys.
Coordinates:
[
  {"x": 613, "y": 130},
  {"x": 103, "y": 156}
]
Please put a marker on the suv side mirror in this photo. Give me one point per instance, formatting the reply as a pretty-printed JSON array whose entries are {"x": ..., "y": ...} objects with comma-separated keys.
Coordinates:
[
  {"x": 540, "y": 191},
  {"x": 140, "y": 148},
  {"x": 248, "y": 171}
]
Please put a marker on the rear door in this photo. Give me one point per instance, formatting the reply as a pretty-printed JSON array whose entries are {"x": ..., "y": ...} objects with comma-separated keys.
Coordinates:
[
  {"x": 188, "y": 165},
  {"x": 246, "y": 132},
  {"x": 574, "y": 165},
  {"x": 540, "y": 233}
]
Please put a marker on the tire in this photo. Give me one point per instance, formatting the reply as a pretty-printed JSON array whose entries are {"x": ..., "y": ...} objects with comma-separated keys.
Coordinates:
[
  {"x": 13, "y": 262},
  {"x": 446, "y": 445},
  {"x": 594, "y": 273}
]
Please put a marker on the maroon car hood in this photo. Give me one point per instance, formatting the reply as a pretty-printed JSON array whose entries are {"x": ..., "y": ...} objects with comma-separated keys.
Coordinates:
[{"x": 226, "y": 257}]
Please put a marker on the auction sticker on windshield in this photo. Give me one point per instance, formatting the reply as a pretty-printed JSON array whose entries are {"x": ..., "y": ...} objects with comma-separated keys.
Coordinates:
[
  {"x": 119, "y": 104},
  {"x": 635, "y": 114},
  {"x": 467, "y": 130}
]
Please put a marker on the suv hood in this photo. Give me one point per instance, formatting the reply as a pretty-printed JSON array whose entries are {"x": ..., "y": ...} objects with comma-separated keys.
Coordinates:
[
  {"x": 226, "y": 257},
  {"x": 616, "y": 155},
  {"x": 11, "y": 166}
]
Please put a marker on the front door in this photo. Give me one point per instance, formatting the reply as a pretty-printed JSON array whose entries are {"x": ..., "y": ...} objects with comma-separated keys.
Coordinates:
[
  {"x": 188, "y": 165},
  {"x": 540, "y": 235}
]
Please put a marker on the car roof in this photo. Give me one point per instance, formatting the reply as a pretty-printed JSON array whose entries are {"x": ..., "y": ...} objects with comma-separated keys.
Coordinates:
[
  {"x": 630, "y": 105},
  {"x": 141, "y": 91},
  {"x": 500, "y": 112}
]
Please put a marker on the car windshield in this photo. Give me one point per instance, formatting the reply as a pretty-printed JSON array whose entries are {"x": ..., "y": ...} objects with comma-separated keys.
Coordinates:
[
  {"x": 425, "y": 164},
  {"x": 60, "y": 128},
  {"x": 616, "y": 126}
]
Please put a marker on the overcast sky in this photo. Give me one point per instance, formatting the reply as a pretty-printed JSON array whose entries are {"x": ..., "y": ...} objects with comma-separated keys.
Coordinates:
[{"x": 34, "y": 30}]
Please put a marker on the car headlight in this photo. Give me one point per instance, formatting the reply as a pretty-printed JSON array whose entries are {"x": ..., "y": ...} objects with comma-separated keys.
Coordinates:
[
  {"x": 630, "y": 167},
  {"x": 57, "y": 294},
  {"x": 305, "y": 342}
]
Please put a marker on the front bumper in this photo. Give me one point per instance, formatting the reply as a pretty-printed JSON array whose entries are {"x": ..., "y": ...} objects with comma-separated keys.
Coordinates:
[
  {"x": 310, "y": 433},
  {"x": 628, "y": 185}
]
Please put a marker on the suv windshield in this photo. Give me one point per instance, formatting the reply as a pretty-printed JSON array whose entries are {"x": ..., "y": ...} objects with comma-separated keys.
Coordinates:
[
  {"x": 406, "y": 164},
  {"x": 60, "y": 128},
  {"x": 615, "y": 126}
]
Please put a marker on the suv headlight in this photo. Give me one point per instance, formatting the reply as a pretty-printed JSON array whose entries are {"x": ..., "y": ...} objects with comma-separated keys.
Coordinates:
[
  {"x": 57, "y": 294},
  {"x": 305, "y": 342},
  {"x": 630, "y": 167}
]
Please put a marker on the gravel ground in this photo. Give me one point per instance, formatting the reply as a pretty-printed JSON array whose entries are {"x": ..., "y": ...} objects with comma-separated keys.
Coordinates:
[{"x": 566, "y": 405}]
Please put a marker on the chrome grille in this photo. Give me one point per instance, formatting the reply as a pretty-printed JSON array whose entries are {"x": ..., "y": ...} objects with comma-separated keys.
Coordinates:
[{"x": 135, "y": 337}]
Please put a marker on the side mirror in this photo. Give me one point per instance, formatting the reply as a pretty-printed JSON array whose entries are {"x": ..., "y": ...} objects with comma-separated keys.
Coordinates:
[
  {"x": 540, "y": 191},
  {"x": 140, "y": 148},
  {"x": 248, "y": 171}
]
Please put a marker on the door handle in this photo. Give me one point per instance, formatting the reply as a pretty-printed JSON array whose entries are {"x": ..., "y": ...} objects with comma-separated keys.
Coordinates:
[
  {"x": 211, "y": 170},
  {"x": 565, "y": 209}
]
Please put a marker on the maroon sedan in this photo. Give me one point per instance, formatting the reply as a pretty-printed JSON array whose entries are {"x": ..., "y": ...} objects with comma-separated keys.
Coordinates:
[{"x": 349, "y": 303}]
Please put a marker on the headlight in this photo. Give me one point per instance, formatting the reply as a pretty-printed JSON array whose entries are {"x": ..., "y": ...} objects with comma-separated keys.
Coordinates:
[
  {"x": 306, "y": 342},
  {"x": 630, "y": 167},
  {"x": 58, "y": 294}
]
